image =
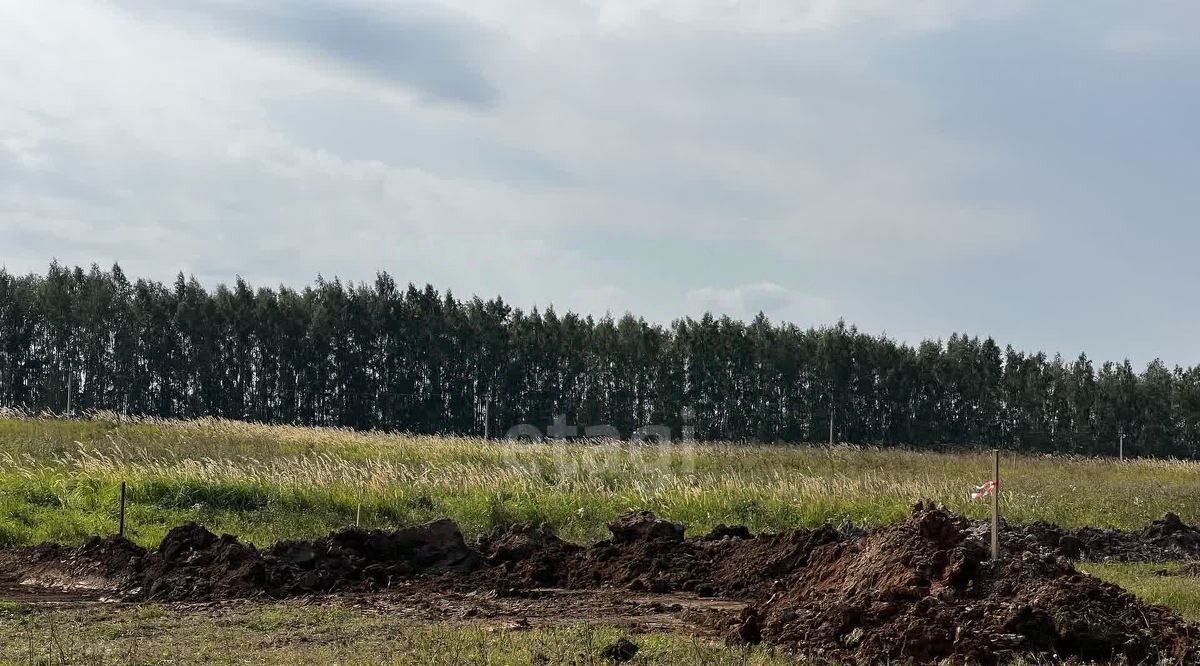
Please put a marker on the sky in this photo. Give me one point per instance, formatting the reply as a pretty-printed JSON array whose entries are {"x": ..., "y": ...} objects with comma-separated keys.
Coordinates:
[{"x": 1007, "y": 168}]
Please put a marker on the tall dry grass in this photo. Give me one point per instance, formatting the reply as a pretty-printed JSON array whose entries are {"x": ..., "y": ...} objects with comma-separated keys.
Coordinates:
[{"x": 58, "y": 480}]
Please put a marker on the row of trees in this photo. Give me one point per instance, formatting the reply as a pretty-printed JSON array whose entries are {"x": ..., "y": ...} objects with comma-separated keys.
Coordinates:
[{"x": 382, "y": 356}]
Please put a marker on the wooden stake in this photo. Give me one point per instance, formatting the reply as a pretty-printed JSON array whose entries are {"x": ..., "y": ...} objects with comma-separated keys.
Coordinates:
[
  {"x": 996, "y": 507},
  {"x": 121, "y": 529},
  {"x": 358, "y": 505}
]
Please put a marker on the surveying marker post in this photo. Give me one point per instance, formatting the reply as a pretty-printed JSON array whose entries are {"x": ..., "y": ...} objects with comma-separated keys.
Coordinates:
[
  {"x": 358, "y": 505},
  {"x": 996, "y": 506},
  {"x": 121, "y": 528}
]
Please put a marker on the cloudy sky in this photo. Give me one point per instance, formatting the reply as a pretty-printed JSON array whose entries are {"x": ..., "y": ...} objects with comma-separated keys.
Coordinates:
[{"x": 1026, "y": 170}]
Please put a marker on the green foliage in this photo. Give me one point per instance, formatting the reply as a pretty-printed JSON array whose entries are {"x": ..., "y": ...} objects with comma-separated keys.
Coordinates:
[{"x": 376, "y": 356}]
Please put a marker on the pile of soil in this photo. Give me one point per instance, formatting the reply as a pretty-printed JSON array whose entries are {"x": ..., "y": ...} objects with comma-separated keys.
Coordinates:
[
  {"x": 645, "y": 553},
  {"x": 527, "y": 556},
  {"x": 711, "y": 565},
  {"x": 649, "y": 554},
  {"x": 367, "y": 559},
  {"x": 924, "y": 590},
  {"x": 194, "y": 564},
  {"x": 1165, "y": 539}
]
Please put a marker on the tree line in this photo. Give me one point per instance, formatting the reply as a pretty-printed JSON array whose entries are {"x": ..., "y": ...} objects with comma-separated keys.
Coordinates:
[{"x": 380, "y": 356}]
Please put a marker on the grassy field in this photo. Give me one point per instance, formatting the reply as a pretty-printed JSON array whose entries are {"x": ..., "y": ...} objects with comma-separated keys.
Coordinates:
[
  {"x": 59, "y": 480},
  {"x": 287, "y": 634}
]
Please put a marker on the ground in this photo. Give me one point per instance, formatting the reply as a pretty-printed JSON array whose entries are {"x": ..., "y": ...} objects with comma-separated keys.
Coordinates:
[
  {"x": 392, "y": 629},
  {"x": 59, "y": 481},
  {"x": 369, "y": 630}
]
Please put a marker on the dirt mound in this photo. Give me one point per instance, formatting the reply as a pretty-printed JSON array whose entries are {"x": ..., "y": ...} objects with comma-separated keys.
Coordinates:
[
  {"x": 649, "y": 554},
  {"x": 528, "y": 556},
  {"x": 924, "y": 590},
  {"x": 1168, "y": 538},
  {"x": 193, "y": 563},
  {"x": 644, "y": 526},
  {"x": 644, "y": 553},
  {"x": 110, "y": 556},
  {"x": 756, "y": 568},
  {"x": 724, "y": 531},
  {"x": 355, "y": 558}
]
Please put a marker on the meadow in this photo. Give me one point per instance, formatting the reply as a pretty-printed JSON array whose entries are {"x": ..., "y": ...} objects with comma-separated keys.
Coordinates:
[{"x": 60, "y": 480}]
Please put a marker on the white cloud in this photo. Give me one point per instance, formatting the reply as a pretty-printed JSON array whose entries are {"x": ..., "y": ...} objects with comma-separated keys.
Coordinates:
[
  {"x": 799, "y": 16},
  {"x": 599, "y": 301},
  {"x": 171, "y": 134},
  {"x": 167, "y": 156},
  {"x": 770, "y": 125},
  {"x": 536, "y": 21},
  {"x": 746, "y": 301}
]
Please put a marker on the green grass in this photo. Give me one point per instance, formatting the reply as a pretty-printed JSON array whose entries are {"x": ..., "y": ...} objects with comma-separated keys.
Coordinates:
[
  {"x": 1180, "y": 593},
  {"x": 295, "y": 634},
  {"x": 59, "y": 480}
]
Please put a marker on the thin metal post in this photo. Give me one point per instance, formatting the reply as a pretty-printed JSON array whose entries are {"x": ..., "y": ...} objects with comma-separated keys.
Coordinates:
[
  {"x": 996, "y": 507},
  {"x": 121, "y": 529},
  {"x": 831, "y": 424},
  {"x": 1121, "y": 448}
]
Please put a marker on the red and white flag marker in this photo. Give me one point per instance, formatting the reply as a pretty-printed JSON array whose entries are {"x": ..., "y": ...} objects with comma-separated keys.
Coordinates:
[{"x": 984, "y": 490}]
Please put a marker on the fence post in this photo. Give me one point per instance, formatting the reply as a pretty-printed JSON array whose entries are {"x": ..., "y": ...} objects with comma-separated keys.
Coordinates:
[
  {"x": 121, "y": 529},
  {"x": 996, "y": 506}
]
